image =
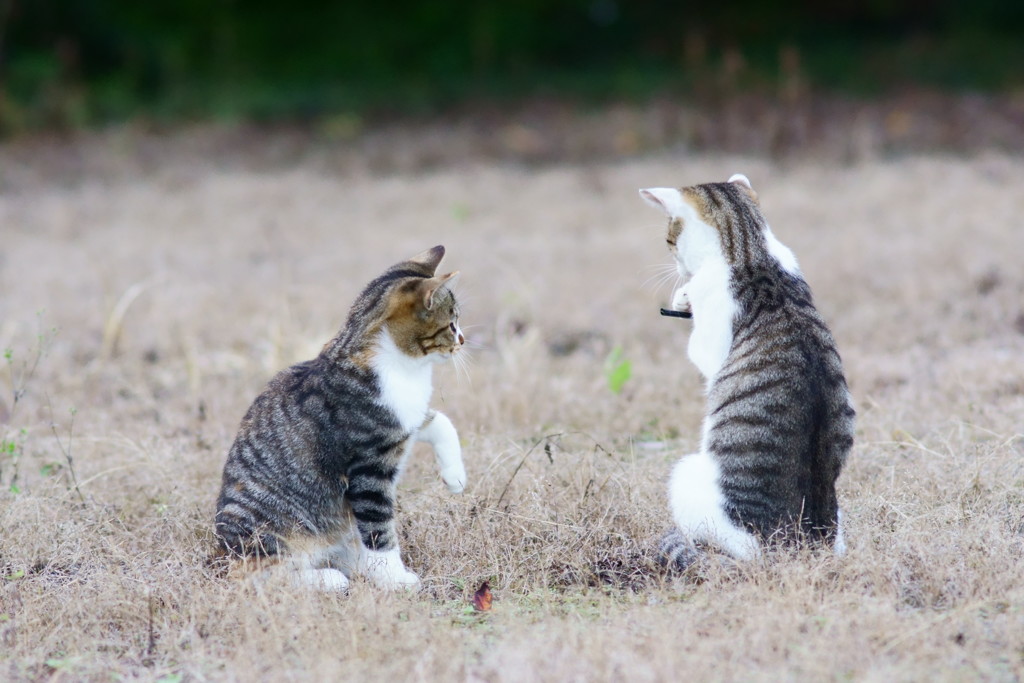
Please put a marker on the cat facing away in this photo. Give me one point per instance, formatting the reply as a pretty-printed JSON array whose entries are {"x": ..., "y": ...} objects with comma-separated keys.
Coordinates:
[
  {"x": 309, "y": 483},
  {"x": 779, "y": 421}
]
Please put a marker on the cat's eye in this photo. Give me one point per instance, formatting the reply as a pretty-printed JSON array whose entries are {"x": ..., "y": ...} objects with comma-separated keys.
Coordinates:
[{"x": 451, "y": 326}]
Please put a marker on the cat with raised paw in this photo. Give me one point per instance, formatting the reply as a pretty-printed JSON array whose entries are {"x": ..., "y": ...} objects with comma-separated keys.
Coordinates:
[
  {"x": 309, "y": 483},
  {"x": 779, "y": 420}
]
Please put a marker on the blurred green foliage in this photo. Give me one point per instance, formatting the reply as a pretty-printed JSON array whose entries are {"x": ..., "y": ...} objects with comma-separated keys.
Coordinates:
[{"x": 69, "y": 63}]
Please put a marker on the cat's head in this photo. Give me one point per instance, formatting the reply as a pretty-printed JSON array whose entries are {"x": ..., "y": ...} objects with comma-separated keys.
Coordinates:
[
  {"x": 421, "y": 313},
  {"x": 721, "y": 221}
]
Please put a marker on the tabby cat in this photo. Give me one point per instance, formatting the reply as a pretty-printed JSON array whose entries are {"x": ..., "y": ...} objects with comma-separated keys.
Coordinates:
[
  {"x": 779, "y": 422},
  {"x": 310, "y": 479}
]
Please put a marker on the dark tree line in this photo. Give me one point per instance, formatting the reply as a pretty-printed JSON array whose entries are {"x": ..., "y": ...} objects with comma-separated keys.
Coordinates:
[{"x": 89, "y": 60}]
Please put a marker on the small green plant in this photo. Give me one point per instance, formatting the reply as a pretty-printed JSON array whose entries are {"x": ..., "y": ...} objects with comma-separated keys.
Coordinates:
[
  {"x": 12, "y": 448},
  {"x": 50, "y": 469},
  {"x": 617, "y": 370},
  {"x": 61, "y": 663},
  {"x": 23, "y": 377},
  {"x": 20, "y": 374}
]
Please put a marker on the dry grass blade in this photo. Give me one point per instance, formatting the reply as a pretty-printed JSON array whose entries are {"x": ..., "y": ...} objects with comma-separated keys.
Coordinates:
[{"x": 114, "y": 323}]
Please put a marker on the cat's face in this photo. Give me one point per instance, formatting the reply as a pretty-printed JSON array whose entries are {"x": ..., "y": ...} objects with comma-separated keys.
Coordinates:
[
  {"x": 423, "y": 314},
  {"x": 702, "y": 219}
]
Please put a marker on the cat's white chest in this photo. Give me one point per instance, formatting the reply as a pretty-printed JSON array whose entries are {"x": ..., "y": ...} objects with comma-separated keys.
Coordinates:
[{"x": 405, "y": 382}]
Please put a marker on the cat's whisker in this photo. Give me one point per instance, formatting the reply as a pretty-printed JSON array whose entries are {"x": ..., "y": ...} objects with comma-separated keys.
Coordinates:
[
  {"x": 662, "y": 272},
  {"x": 672, "y": 279},
  {"x": 665, "y": 278},
  {"x": 461, "y": 361},
  {"x": 657, "y": 279}
]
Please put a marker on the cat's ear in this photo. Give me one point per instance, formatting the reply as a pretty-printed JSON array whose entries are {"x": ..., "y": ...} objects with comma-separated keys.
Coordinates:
[
  {"x": 434, "y": 285},
  {"x": 430, "y": 258},
  {"x": 668, "y": 199},
  {"x": 744, "y": 184}
]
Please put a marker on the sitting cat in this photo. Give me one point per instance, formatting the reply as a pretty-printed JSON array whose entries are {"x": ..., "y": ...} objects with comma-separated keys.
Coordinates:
[
  {"x": 310, "y": 479},
  {"x": 779, "y": 422}
]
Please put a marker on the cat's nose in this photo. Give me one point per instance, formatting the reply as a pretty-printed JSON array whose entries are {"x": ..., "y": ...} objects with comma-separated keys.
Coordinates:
[{"x": 462, "y": 340}]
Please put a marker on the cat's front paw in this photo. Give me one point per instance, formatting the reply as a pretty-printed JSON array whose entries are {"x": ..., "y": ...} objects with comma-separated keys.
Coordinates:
[
  {"x": 396, "y": 579},
  {"x": 385, "y": 569},
  {"x": 681, "y": 301},
  {"x": 454, "y": 478}
]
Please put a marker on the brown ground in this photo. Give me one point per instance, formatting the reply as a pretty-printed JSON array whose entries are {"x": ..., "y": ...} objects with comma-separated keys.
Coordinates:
[{"x": 179, "y": 283}]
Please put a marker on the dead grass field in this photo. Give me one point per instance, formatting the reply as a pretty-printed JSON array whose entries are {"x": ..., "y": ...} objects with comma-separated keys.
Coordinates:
[{"x": 178, "y": 288}]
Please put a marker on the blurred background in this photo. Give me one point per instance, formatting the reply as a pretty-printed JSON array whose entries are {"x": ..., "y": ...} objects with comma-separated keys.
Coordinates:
[{"x": 340, "y": 68}]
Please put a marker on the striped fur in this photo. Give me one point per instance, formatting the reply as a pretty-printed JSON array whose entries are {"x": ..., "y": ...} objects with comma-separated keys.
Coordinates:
[
  {"x": 310, "y": 479},
  {"x": 779, "y": 422}
]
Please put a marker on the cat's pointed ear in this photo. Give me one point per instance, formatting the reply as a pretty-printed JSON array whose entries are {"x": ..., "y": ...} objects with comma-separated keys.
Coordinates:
[
  {"x": 744, "y": 184},
  {"x": 668, "y": 199},
  {"x": 430, "y": 258},
  {"x": 434, "y": 285}
]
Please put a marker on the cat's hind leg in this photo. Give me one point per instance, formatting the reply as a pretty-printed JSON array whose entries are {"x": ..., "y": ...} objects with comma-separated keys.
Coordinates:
[
  {"x": 439, "y": 432},
  {"x": 310, "y": 565},
  {"x": 302, "y": 570},
  {"x": 345, "y": 551},
  {"x": 328, "y": 579},
  {"x": 698, "y": 508}
]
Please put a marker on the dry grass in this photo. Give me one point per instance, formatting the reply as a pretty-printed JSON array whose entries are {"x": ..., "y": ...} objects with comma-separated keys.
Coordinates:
[{"x": 179, "y": 291}]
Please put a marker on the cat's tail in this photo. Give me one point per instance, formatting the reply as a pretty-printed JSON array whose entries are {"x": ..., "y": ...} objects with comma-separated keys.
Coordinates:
[
  {"x": 696, "y": 560},
  {"x": 238, "y": 542},
  {"x": 677, "y": 553},
  {"x": 821, "y": 522}
]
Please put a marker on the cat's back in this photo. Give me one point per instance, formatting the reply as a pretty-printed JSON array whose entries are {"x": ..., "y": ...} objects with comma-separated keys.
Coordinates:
[
  {"x": 777, "y": 326},
  {"x": 780, "y": 417},
  {"x": 304, "y": 401}
]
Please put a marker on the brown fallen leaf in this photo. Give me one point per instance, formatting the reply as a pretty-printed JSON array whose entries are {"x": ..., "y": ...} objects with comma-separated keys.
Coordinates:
[{"x": 482, "y": 598}]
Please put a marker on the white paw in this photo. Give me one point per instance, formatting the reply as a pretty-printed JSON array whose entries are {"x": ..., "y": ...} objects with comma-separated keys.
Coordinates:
[
  {"x": 440, "y": 433},
  {"x": 400, "y": 579},
  {"x": 326, "y": 580},
  {"x": 385, "y": 569},
  {"x": 454, "y": 478},
  {"x": 681, "y": 301}
]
